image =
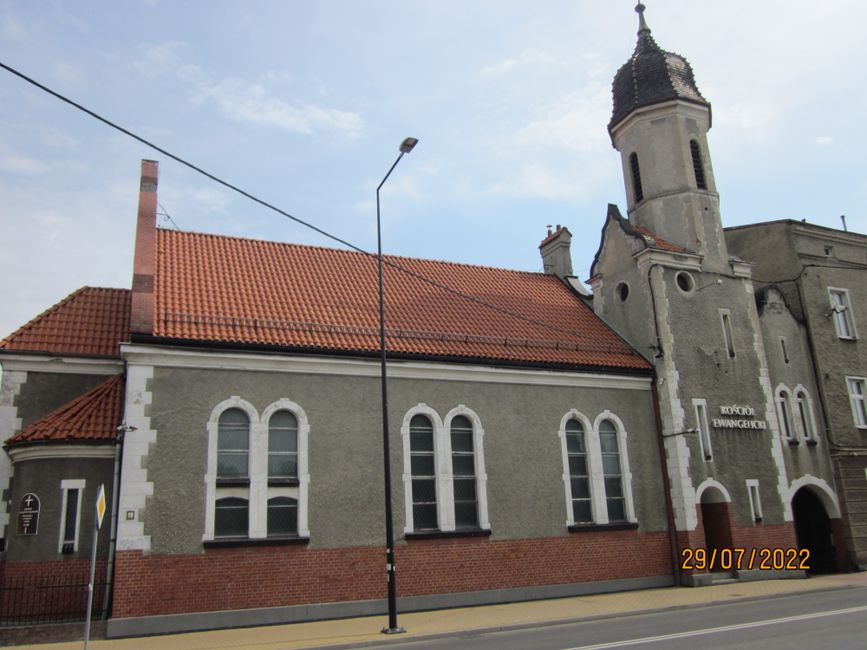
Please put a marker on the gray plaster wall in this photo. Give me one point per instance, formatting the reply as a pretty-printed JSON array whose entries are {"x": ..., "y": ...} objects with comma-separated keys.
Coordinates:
[
  {"x": 45, "y": 391},
  {"x": 794, "y": 368},
  {"x": 616, "y": 266},
  {"x": 43, "y": 477},
  {"x": 522, "y": 450},
  {"x": 706, "y": 371}
]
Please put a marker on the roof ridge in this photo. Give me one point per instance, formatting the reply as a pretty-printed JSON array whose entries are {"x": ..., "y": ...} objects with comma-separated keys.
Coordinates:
[{"x": 352, "y": 252}]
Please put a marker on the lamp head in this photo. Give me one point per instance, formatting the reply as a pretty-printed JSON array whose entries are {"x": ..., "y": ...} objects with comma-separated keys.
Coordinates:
[{"x": 407, "y": 144}]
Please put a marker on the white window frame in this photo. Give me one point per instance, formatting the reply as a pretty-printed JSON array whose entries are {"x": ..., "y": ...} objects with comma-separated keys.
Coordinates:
[
  {"x": 725, "y": 316},
  {"x": 594, "y": 469},
  {"x": 806, "y": 420},
  {"x": 701, "y": 424},
  {"x": 66, "y": 485},
  {"x": 842, "y": 313},
  {"x": 755, "y": 500},
  {"x": 859, "y": 416},
  {"x": 785, "y": 415},
  {"x": 625, "y": 473},
  {"x": 445, "y": 492},
  {"x": 258, "y": 492}
]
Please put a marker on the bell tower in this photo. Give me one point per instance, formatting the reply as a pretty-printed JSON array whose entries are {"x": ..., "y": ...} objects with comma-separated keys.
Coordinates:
[{"x": 659, "y": 125}]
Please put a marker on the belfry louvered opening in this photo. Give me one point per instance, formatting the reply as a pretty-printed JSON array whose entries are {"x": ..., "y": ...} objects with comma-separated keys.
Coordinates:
[
  {"x": 637, "y": 191},
  {"x": 697, "y": 165}
]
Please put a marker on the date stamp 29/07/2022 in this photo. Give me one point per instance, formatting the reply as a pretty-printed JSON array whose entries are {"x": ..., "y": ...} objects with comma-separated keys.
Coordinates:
[{"x": 744, "y": 559}]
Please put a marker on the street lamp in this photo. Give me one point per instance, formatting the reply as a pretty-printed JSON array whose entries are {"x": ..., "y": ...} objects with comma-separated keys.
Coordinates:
[{"x": 405, "y": 147}]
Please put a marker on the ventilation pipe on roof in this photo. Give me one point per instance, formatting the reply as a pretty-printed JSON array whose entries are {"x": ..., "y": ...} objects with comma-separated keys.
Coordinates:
[
  {"x": 556, "y": 252},
  {"x": 142, "y": 310}
]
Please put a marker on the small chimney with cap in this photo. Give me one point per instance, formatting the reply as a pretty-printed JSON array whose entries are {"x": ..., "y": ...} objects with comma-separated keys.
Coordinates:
[{"x": 556, "y": 252}]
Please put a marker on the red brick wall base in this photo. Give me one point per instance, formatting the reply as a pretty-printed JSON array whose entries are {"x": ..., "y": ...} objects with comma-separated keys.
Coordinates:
[{"x": 275, "y": 576}]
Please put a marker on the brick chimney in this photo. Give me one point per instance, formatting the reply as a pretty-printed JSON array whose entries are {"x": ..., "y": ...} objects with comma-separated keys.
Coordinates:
[
  {"x": 142, "y": 312},
  {"x": 556, "y": 252}
]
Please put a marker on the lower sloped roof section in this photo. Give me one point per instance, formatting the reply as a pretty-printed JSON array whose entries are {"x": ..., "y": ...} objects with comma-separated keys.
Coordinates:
[
  {"x": 92, "y": 417},
  {"x": 91, "y": 321},
  {"x": 218, "y": 289}
]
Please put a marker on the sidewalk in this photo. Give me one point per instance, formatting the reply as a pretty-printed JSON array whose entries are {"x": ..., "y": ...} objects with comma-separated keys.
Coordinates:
[{"x": 357, "y": 632}]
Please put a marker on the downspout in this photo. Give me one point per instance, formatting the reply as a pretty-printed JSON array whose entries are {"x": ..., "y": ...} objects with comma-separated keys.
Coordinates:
[
  {"x": 666, "y": 481},
  {"x": 666, "y": 484},
  {"x": 112, "y": 543}
]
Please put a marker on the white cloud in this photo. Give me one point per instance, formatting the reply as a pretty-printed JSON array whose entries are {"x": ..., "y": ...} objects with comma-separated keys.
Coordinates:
[
  {"x": 251, "y": 103},
  {"x": 507, "y": 65},
  {"x": 824, "y": 140},
  {"x": 248, "y": 102},
  {"x": 12, "y": 29},
  {"x": 541, "y": 181},
  {"x": 571, "y": 123},
  {"x": 16, "y": 164},
  {"x": 162, "y": 57}
]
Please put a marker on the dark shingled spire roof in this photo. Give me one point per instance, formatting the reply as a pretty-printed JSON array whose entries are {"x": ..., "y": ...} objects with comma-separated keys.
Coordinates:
[{"x": 651, "y": 76}]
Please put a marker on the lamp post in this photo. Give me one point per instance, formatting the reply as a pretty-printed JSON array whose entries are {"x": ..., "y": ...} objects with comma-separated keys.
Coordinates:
[{"x": 405, "y": 147}]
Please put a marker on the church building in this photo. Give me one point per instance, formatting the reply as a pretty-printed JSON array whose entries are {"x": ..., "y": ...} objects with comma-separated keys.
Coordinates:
[{"x": 700, "y": 417}]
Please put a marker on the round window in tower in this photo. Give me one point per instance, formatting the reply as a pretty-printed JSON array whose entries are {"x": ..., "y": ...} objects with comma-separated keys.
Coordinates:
[
  {"x": 685, "y": 282},
  {"x": 622, "y": 290}
]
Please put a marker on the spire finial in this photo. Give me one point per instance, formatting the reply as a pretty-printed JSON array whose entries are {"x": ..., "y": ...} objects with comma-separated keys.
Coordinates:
[{"x": 642, "y": 24}]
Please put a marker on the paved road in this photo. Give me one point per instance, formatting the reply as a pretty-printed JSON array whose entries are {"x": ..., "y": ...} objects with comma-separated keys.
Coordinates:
[{"x": 836, "y": 619}]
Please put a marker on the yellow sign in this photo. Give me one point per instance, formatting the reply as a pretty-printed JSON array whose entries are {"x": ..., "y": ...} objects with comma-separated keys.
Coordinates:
[{"x": 100, "y": 506}]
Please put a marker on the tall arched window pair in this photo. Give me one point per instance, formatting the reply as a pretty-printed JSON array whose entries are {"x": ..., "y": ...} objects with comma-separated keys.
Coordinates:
[
  {"x": 596, "y": 472},
  {"x": 257, "y": 471},
  {"x": 444, "y": 471}
]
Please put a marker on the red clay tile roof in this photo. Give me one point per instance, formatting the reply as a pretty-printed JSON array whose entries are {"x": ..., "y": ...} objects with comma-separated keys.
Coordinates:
[
  {"x": 92, "y": 417},
  {"x": 90, "y": 321},
  {"x": 655, "y": 241},
  {"x": 224, "y": 289}
]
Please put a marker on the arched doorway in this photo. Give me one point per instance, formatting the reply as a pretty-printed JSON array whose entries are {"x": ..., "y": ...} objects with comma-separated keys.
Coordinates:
[
  {"x": 716, "y": 520},
  {"x": 813, "y": 530}
]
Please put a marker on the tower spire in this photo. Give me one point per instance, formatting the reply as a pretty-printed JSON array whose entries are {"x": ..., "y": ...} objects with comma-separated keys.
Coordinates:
[{"x": 642, "y": 24}]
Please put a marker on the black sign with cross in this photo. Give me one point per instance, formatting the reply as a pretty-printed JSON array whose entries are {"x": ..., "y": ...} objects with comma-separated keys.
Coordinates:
[{"x": 28, "y": 514}]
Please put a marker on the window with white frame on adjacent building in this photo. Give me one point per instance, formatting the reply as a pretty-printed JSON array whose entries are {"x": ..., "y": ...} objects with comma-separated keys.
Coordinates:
[
  {"x": 841, "y": 310},
  {"x": 857, "y": 387},
  {"x": 257, "y": 472},
  {"x": 444, "y": 472},
  {"x": 72, "y": 491}
]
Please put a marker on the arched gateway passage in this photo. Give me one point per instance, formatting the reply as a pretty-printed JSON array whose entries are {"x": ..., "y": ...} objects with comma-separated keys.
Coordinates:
[{"x": 813, "y": 529}]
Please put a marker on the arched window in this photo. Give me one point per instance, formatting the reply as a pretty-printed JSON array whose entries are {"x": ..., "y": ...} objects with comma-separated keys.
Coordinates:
[
  {"x": 637, "y": 191},
  {"x": 612, "y": 471},
  {"x": 579, "y": 475},
  {"x": 231, "y": 517},
  {"x": 423, "y": 470},
  {"x": 282, "y": 448},
  {"x": 282, "y": 516},
  {"x": 697, "y": 165},
  {"x": 784, "y": 412},
  {"x": 233, "y": 445},
  {"x": 805, "y": 414},
  {"x": 464, "y": 472}
]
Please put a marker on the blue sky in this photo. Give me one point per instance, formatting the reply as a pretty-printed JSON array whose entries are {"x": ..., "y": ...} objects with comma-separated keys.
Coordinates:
[{"x": 305, "y": 103}]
